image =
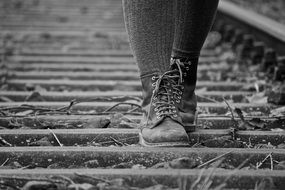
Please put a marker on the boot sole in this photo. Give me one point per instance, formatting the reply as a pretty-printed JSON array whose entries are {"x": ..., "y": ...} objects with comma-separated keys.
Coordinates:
[{"x": 164, "y": 144}]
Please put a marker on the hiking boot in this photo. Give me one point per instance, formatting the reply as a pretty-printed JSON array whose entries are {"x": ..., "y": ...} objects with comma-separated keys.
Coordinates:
[
  {"x": 186, "y": 101},
  {"x": 161, "y": 124}
]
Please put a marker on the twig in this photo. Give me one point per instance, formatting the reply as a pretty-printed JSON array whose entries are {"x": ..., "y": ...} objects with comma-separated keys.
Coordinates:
[
  {"x": 4, "y": 142},
  {"x": 240, "y": 166},
  {"x": 129, "y": 120},
  {"x": 24, "y": 167},
  {"x": 271, "y": 162},
  {"x": 132, "y": 110},
  {"x": 67, "y": 108},
  {"x": 121, "y": 103},
  {"x": 206, "y": 182},
  {"x": 5, "y": 162},
  {"x": 113, "y": 98},
  {"x": 123, "y": 139},
  {"x": 261, "y": 163},
  {"x": 118, "y": 142},
  {"x": 230, "y": 109},
  {"x": 232, "y": 172},
  {"x": 26, "y": 106},
  {"x": 57, "y": 140},
  {"x": 210, "y": 99},
  {"x": 196, "y": 144},
  {"x": 196, "y": 182},
  {"x": 70, "y": 181},
  {"x": 214, "y": 159}
]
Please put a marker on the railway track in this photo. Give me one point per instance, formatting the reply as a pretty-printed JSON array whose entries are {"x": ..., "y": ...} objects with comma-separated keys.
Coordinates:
[{"x": 70, "y": 98}]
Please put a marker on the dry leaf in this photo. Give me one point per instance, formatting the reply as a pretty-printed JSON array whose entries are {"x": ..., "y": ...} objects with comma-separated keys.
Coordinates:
[
  {"x": 83, "y": 186},
  {"x": 42, "y": 142},
  {"x": 39, "y": 185},
  {"x": 25, "y": 113},
  {"x": 277, "y": 130},
  {"x": 91, "y": 164},
  {"x": 118, "y": 120},
  {"x": 258, "y": 98},
  {"x": 254, "y": 124},
  {"x": 184, "y": 163},
  {"x": 102, "y": 122}
]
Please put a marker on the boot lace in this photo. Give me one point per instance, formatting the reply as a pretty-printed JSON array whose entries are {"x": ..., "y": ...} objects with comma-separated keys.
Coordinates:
[{"x": 168, "y": 89}]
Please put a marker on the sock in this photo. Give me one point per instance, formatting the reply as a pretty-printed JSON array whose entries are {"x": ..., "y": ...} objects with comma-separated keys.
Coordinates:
[
  {"x": 150, "y": 27},
  {"x": 194, "y": 19}
]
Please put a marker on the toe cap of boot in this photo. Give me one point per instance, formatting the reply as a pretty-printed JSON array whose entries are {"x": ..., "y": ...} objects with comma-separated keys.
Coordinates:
[{"x": 167, "y": 132}]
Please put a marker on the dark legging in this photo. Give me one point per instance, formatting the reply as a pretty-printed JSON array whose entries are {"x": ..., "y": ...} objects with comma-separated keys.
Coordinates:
[{"x": 159, "y": 28}]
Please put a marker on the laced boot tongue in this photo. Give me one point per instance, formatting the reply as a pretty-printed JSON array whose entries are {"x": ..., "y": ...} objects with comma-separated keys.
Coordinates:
[
  {"x": 162, "y": 96},
  {"x": 163, "y": 92}
]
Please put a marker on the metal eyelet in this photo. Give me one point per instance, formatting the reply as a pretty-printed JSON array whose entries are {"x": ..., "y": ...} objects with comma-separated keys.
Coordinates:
[
  {"x": 179, "y": 97},
  {"x": 175, "y": 115},
  {"x": 180, "y": 92},
  {"x": 153, "y": 84},
  {"x": 174, "y": 111},
  {"x": 155, "y": 109},
  {"x": 158, "y": 117},
  {"x": 153, "y": 78},
  {"x": 177, "y": 101}
]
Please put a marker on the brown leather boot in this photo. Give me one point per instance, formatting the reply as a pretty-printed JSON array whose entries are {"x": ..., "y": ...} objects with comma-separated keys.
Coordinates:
[
  {"x": 186, "y": 102},
  {"x": 162, "y": 124}
]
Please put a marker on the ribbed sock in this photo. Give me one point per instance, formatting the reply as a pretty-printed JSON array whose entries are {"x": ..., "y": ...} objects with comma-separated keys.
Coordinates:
[
  {"x": 150, "y": 26},
  {"x": 194, "y": 19}
]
